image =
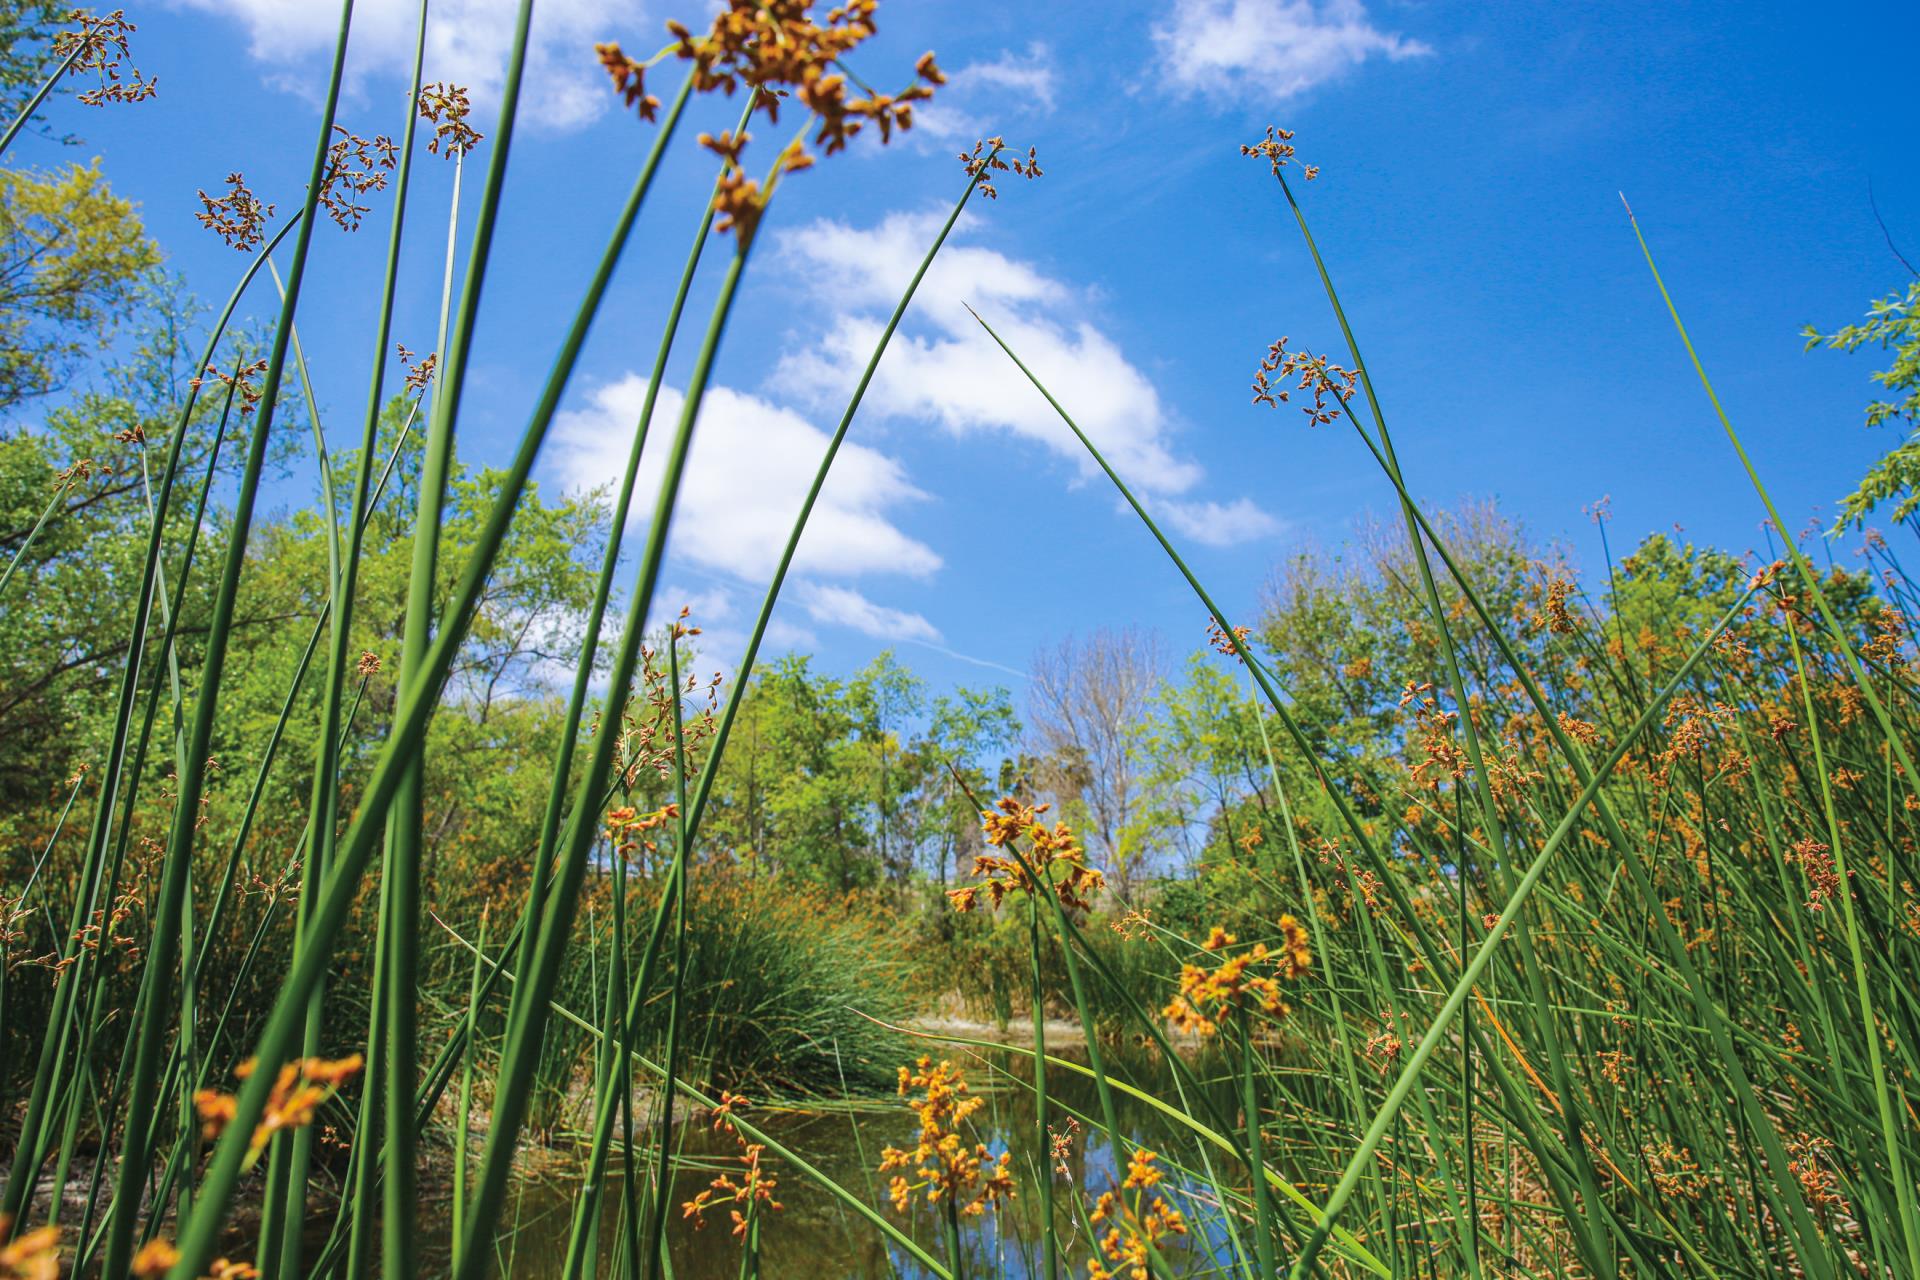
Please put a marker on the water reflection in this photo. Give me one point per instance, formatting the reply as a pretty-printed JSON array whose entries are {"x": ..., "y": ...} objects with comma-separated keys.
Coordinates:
[{"x": 818, "y": 1235}]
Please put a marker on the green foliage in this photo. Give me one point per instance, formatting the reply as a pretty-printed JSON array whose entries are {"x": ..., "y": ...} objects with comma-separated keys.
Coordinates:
[
  {"x": 845, "y": 782},
  {"x": 72, "y": 600},
  {"x": 72, "y": 255},
  {"x": 779, "y": 972},
  {"x": 1892, "y": 324}
]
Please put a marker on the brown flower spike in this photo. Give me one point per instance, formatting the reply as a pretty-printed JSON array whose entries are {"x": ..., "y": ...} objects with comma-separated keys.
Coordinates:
[
  {"x": 446, "y": 107},
  {"x": 101, "y": 46},
  {"x": 777, "y": 50},
  {"x": 237, "y": 217},
  {"x": 1054, "y": 854}
]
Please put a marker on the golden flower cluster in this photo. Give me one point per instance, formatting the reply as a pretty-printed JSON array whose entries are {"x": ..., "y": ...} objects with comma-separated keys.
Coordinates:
[
  {"x": 754, "y": 1187},
  {"x": 102, "y": 46},
  {"x": 1692, "y": 721},
  {"x": 298, "y": 1092},
  {"x": 355, "y": 167},
  {"x": 241, "y": 380},
  {"x": 31, "y": 1255},
  {"x": 446, "y": 108},
  {"x": 1558, "y": 619},
  {"x": 1137, "y": 1223},
  {"x": 420, "y": 375},
  {"x": 1384, "y": 1046},
  {"x": 1054, "y": 854},
  {"x": 1218, "y": 641},
  {"x": 237, "y": 217},
  {"x": 1060, "y": 1146},
  {"x": 1330, "y": 384},
  {"x": 71, "y": 477},
  {"x": 1810, "y": 1164},
  {"x": 1675, "y": 1173},
  {"x": 941, "y": 1160},
  {"x": 1823, "y": 879},
  {"x": 1442, "y": 758},
  {"x": 647, "y": 724},
  {"x": 627, "y": 825},
  {"x": 777, "y": 50},
  {"x": 1277, "y": 149},
  {"x": 984, "y": 161},
  {"x": 1581, "y": 731},
  {"x": 157, "y": 1256},
  {"x": 1208, "y": 996}
]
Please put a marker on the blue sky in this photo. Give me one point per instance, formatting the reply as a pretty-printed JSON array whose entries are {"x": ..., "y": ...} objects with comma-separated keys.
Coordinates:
[{"x": 1471, "y": 157}]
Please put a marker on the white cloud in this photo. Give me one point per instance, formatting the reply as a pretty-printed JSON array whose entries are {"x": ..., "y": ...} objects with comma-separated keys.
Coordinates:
[
  {"x": 1215, "y": 524},
  {"x": 747, "y": 473},
  {"x": 1270, "y": 48},
  {"x": 790, "y": 635},
  {"x": 467, "y": 43},
  {"x": 708, "y": 605},
  {"x": 951, "y": 372},
  {"x": 845, "y": 607},
  {"x": 716, "y": 611},
  {"x": 980, "y": 98}
]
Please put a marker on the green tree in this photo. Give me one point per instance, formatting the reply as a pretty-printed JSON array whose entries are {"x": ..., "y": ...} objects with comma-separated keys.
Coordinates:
[
  {"x": 1892, "y": 324},
  {"x": 69, "y": 606},
  {"x": 72, "y": 259},
  {"x": 969, "y": 731}
]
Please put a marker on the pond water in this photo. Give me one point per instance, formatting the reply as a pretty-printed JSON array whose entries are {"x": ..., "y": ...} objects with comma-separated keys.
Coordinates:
[{"x": 817, "y": 1235}]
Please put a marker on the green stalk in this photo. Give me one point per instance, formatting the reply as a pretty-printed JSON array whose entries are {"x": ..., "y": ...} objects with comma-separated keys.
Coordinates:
[
  {"x": 663, "y": 1168},
  {"x": 30, "y": 1149},
  {"x": 1909, "y": 1220},
  {"x": 1042, "y": 1139},
  {"x": 463, "y": 1120},
  {"x": 27, "y": 545},
  {"x": 716, "y": 749},
  {"x": 161, "y": 954},
  {"x": 527, "y": 1016},
  {"x": 950, "y": 1218},
  {"x": 39, "y": 97},
  {"x": 1256, "y": 1160},
  {"x": 406, "y": 818}
]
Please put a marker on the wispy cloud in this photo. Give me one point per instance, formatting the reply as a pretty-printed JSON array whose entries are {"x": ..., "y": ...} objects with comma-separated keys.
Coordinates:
[
  {"x": 1273, "y": 49},
  {"x": 746, "y": 476},
  {"x": 845, "y": 607},
  {"x": 948, "y": 371},
  {"x": 980, "y": 98},
  {"x": 467, "y": 43}
]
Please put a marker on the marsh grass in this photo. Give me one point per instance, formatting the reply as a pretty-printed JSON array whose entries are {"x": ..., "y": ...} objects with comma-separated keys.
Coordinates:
[{"x": 1607, "y": 971}]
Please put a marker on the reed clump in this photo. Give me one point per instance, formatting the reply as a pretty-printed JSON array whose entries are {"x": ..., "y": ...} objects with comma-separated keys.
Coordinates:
[{"x": 1542, "y": 924}]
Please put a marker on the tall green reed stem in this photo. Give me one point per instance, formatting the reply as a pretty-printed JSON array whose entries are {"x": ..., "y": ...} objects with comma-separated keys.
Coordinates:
[{"x": 165, "y": 943}]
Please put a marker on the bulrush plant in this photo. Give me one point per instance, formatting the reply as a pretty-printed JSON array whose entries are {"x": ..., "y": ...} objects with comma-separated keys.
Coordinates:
[
  {"x": 943, "y": 1167},
  {"x": 1579, "y": 921},
  {"x": 779, "y": 56},
  {"x": 1563, "y": 921}
]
